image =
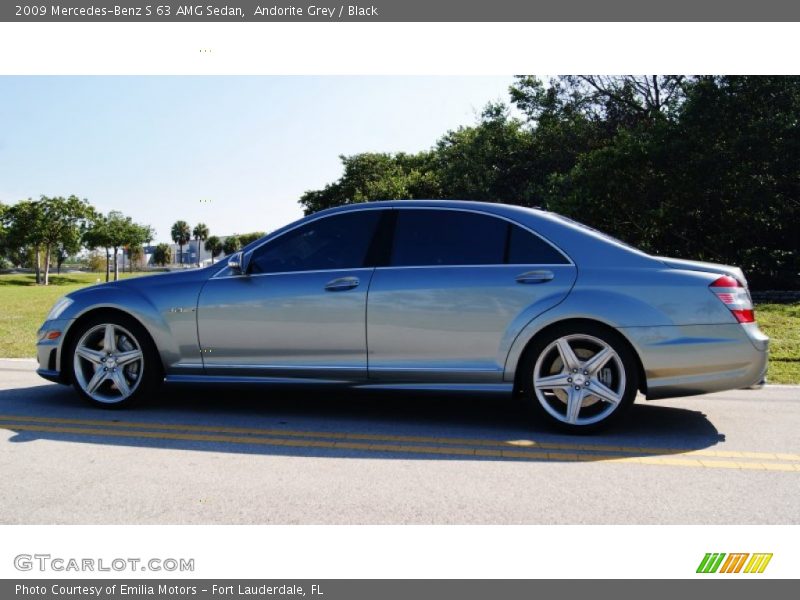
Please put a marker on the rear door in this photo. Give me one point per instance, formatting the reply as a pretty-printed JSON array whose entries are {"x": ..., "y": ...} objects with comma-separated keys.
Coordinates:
[{"x": 458, "y": 288}]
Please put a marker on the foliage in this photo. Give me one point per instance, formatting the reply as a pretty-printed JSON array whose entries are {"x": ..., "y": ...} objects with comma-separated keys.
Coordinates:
[
  {"x": 248, "y": 238},
  {"x": 231, "y": 244},
  {"x": 181, "y": 234},
  {"x": 113, "y": 232},
  {"x": 214, "y": 246},
  {"x": 96, "y": 262},
  {"x": 693, "y": 167},
  {"x": 162, "y": 255},
  {"x": 200, "y": 233},
  {"x": 48, "y": 226}
]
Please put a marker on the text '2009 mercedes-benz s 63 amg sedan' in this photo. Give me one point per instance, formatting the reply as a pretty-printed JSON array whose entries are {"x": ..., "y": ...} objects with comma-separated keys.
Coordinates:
[{"x": 421, "y": 295}]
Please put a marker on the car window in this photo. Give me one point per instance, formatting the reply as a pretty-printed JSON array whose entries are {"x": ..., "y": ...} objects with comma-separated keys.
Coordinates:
[
  {"x": 525, "y": 248},
  {"x": 336, "y": 242},
  {"x": 448, "y": 237}
]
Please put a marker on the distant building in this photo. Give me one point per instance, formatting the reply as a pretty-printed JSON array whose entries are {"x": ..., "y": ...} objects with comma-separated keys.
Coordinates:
[{"x": 189, "y": 254}]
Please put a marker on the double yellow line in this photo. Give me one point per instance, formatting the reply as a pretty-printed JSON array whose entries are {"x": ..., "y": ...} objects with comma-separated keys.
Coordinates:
[{"x": 406, "y": 444}]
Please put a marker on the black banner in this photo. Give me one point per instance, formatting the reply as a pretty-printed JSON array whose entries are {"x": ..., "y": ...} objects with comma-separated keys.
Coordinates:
[
  {"x": 732, "y": 588},
  {"x": 406, "y": 10}
]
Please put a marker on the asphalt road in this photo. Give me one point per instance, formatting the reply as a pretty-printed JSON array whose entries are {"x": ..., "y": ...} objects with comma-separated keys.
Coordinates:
[{"x": 217, "y": 455}]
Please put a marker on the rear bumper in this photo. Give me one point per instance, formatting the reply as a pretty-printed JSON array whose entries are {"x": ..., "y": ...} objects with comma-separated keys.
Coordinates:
[{"x": 698, "y": 359}]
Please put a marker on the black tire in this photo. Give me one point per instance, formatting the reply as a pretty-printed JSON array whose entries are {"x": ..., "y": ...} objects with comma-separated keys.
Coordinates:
[
  {"x": 545, "y": 406},
  {"x": 130, "y": 333}
]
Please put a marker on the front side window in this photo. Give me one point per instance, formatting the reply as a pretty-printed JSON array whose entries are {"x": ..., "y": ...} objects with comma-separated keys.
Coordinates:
[{"x": 332, "y": 243}]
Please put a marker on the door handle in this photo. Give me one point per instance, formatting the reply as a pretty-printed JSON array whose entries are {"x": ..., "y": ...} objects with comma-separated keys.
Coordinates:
[
  {"x": 535, "y": 277},
  {"x": 341, "y": 284}
]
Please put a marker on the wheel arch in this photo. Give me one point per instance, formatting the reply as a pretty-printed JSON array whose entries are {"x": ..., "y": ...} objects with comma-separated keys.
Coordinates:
[
  {"x": 74, "y": 330},
  {"x": 524, "y": 355}
]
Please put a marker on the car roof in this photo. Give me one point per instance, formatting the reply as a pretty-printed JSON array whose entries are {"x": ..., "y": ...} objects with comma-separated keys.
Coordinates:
[{"x": 583, "y": 245}]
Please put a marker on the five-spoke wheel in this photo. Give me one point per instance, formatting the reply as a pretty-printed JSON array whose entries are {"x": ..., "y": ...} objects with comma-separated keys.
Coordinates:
[
  {"x": 110, "y": 359},
  {"x": 581, "y": 377}
]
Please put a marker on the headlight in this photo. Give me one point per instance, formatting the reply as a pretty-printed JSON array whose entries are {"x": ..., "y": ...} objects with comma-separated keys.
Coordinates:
[{"x": 59, "y": 307}]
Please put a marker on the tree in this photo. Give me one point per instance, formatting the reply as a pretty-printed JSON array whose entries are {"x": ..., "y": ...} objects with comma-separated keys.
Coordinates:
[
  {"x": 97, "y": 235},
  {"x": 136, "y": 252},
  {"x": 377, "y": 176},
  {"x": 181, "y": 234},
  {"x": 114, "y": 232},
  {"x": 214, "y": 246},
  {"x": 69, "y": 246},
  {"x": 249, "y": 238},
  {"x": 200, "y": 233},
  {"x": 162, "y": 255},
  {"x": 688, "y": 166},
  {"x": 120, "y": 231},
  {"x": 231, "y": 244},
  {"x": 24, "y": 222},
  {"x": 62, "y": 219}
]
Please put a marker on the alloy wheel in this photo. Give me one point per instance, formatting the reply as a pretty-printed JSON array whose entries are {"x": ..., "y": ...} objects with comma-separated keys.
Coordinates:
[
  {"x": 579, "y": 379},
  {"x": 108, "y": 363}
]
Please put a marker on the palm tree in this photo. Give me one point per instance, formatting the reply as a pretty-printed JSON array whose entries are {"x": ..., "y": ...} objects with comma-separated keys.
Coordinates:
[
  {"x": 181, "y": 234},
  {"x": 200, "y": 233},
  {"x": 214, "y": 245},
  {"x": 231, "y": 244}
]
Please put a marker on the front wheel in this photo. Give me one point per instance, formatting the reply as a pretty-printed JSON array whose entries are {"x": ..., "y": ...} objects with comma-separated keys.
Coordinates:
[
  {"x": 580, "y": 378},
  {"x": 114, "y": 362}
]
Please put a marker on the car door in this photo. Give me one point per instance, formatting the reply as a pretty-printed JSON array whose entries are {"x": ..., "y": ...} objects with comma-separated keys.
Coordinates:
[
  {"x": 458, "y": 288},
  {"x": 300, "y": 309}
]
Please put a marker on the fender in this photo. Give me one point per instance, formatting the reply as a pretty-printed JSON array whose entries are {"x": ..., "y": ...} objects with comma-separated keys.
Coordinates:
[
  {"x": 608, "y": 308},
  {"x": 168, "y": 313}
]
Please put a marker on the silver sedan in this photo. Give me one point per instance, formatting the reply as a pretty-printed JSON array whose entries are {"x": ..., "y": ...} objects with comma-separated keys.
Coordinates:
[{"x": 421, "y": 295}]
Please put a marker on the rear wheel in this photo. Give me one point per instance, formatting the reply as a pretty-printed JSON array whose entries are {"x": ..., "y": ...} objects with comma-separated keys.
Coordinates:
[
  {"x": 114, "y": 362},
  {"x": 580, "y": 378}
]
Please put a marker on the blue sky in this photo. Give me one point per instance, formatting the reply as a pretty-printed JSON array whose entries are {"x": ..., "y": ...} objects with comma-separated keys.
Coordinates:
[{"x": 154, "y": 147}]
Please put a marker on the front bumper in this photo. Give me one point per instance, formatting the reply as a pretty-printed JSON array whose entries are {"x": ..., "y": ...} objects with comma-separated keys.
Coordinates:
[
  {"x": 48, "y": 351},
  {"x": 699, "y": 359}
]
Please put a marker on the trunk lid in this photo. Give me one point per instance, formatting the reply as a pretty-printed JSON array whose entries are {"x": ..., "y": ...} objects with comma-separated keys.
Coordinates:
[{"x": 706, "y": 267}]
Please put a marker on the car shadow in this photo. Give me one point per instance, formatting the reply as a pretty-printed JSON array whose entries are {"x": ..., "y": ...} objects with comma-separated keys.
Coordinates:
[{"x": 346, "y": 424}]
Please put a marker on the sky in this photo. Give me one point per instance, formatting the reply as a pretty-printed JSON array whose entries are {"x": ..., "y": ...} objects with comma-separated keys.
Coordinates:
[{"x": 233, "y": 152}]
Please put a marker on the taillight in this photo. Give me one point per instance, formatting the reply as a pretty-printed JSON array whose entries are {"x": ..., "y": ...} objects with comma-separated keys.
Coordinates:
[{"x": 734, "y": 295}]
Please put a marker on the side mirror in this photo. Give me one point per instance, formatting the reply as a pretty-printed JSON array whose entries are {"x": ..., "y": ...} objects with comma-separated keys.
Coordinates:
[{"x": 237, "y": 264}]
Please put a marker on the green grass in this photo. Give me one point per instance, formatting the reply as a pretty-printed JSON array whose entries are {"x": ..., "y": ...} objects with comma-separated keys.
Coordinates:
[
  {"x": 23, "y": 306},
  {"x": 781, "y": 322}
]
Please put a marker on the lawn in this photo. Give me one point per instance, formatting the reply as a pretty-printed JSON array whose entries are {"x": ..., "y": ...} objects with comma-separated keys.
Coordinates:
[{"x": 23, "y": 306}]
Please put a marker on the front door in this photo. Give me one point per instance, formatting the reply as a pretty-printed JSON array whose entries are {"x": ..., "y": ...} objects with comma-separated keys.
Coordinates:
[{"x": 300, "y": 311}]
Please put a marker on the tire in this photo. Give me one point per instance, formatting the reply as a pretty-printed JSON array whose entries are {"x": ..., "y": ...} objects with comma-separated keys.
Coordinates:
[
  {"x": 593, "y": 388},
  {"x": 112, "y": 361}
]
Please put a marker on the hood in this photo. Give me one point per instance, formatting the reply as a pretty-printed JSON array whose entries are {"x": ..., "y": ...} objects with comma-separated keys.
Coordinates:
[
  {"x": 706, "y": 267},
  {"x": 177, "y": 279}
]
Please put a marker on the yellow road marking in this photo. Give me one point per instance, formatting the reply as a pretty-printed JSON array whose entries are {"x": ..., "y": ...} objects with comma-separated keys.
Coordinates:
[
  {"x": 536, "y": 455},
  {"x": 335, "y": 435}
]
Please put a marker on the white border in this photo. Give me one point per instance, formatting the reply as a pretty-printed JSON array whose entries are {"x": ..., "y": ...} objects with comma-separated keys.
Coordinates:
[
  {"x": 397, "y": 48},
  {"x": 430, "y": 552}
]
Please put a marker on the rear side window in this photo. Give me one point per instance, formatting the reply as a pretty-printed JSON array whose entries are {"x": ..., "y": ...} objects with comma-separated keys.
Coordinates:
[
  {"x": 449, "y": 237},
  {"x": 524, "y": 248},
  {"x": 444, "y": 237},
  {"x": 335, "y": 242}
]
